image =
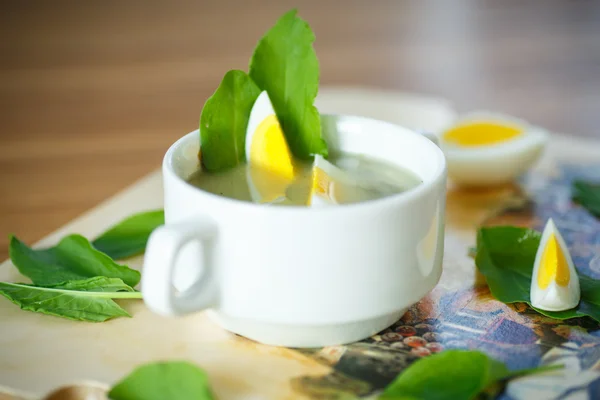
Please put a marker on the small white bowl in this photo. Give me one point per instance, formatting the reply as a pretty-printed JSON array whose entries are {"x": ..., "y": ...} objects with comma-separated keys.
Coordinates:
[{"x": 497, "y": 163}]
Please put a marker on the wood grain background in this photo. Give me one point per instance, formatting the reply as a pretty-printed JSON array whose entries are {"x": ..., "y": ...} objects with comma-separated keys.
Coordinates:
[{"x": 93, "y": 92}]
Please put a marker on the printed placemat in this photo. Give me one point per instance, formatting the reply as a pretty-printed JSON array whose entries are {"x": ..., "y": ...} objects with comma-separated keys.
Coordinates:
[{"x": 460, "y": 313}]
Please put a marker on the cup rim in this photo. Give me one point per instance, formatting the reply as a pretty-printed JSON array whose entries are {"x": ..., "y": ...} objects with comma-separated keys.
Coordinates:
[{"x": 392, "y": 200}]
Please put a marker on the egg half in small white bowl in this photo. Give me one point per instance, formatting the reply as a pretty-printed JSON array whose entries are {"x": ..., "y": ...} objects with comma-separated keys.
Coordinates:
[{"x": 486, "y": 149}]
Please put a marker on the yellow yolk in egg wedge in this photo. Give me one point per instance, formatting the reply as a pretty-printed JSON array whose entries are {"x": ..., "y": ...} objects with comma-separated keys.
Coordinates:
[
  {"x": 554, "y": 283},
  {"x": 271, "y": 165},
  {"x": 486, "y": 149}
]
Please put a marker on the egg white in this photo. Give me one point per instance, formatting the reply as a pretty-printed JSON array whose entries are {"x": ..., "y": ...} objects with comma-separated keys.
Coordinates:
[
  {"x": 262, "y": 109},
  {"x": 495, "y": 163},
  {"x": 555, "y": 297}
]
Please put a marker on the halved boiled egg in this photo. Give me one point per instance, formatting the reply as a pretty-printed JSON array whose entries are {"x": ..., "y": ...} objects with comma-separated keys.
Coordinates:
[
  {"x": 554, "y": 283},
  {"x": 484, "y": 149},
  {"x": 271, "y": 165}
]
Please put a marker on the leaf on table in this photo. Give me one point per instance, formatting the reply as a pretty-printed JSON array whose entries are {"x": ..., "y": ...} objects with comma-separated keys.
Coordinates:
[
  {"x": 73, "y": 258},
  {"x": 163, "y": 380},
  {"x": 452, "y": 375},
  {"x": 79, "y": 301},
  {"x": 505, "y": 256},
  {"x": 224, "y": 121},
  {"x": 96, "y": 284},
  {"x": 588, "y": 195},
  {"x": 130, "y": 236},
  {"x": 285, "y": 64}
]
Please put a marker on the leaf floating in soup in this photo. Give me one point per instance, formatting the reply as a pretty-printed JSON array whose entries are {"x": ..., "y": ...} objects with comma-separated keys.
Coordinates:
[
  {"x": 285, "y": 64},
  {"x": 224, "y": 120}
]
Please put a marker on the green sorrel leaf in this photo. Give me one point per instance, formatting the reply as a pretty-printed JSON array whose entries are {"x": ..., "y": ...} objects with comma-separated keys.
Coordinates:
[
  {"x": 452, "y": 375},
  {"x": 129, "y": 237},
  {"x": 84, "y": 300},
  {"x": 163, "y": 380},
  {"x": 224, "y": 121},
  {"x": 505, "y": 256},
  {"x": 588, "y": 195},
  {"x": 73, "y": 258},
  {"x": 285, "y": 64},
  {"x": 96, "y": 284}
]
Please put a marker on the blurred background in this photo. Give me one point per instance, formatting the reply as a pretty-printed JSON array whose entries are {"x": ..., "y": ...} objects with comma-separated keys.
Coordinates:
[{"x": 93, "y": 92}]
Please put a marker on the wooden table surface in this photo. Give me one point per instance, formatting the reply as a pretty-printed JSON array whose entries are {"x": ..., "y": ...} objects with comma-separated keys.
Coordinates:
[{"x": 93, "y": 92}]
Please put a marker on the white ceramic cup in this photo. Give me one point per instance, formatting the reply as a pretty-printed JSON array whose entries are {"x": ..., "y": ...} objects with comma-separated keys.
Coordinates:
[{"x": 300, "y": 276}]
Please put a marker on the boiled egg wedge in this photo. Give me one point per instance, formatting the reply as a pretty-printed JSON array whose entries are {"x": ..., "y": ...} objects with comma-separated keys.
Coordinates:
[
  {"x": 333, "y": 185},
  {"x": 554, "y": 283},
  {"x": 271, "y": 165},
  {"x": 486, "y": 149},
  {"x": 322, "y": 182}
]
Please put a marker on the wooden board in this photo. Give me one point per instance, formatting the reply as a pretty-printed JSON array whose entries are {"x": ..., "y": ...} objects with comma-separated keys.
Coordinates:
[{"x": 39, "y": 353}]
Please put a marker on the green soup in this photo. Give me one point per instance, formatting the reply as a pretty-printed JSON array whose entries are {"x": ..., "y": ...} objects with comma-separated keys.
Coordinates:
[{"x": 377, "y": 178}]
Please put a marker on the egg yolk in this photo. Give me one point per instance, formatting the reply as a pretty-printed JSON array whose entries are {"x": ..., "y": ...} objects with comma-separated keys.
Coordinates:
[
  {"x": 481, "y": 133},
  {"x": 269, "y": 149},
  {"x": 554, "y": 265}
]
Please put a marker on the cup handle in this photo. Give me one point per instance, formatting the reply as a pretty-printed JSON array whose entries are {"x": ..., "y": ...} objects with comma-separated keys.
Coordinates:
[{"x": 164, "y": 246}]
